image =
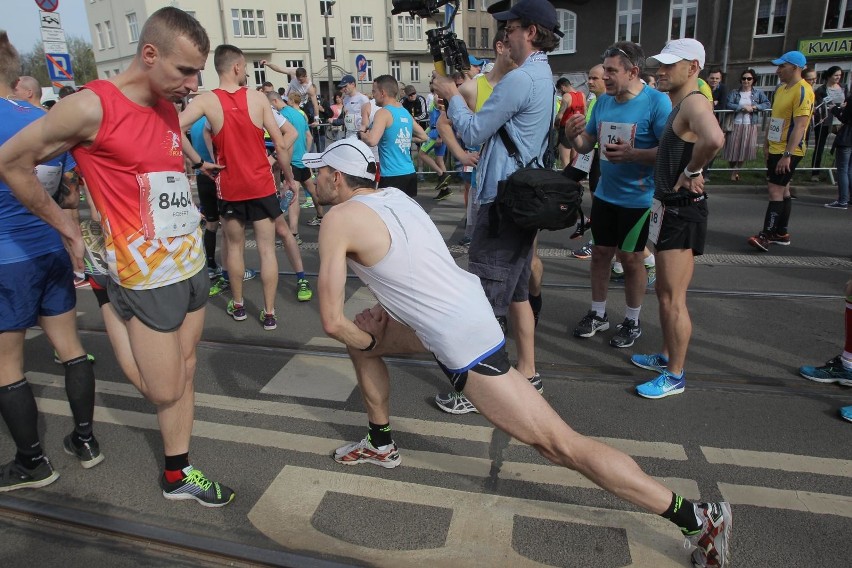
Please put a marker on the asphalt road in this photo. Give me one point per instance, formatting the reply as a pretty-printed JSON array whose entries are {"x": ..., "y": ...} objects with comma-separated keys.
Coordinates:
[{"x": 271, "y": 406}]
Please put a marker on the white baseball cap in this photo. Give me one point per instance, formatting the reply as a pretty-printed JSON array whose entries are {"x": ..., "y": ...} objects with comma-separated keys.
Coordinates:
[
  {"x": 682, "y": 49},
  {"x": 350, "y": 156}
]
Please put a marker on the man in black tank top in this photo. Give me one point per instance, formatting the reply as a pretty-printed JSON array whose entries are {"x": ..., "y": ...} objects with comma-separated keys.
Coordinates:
[{"x": 679, "y": 215}]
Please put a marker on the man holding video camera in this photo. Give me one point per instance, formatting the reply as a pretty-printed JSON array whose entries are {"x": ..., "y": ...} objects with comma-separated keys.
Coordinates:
[{"x": 502, "y": 259}]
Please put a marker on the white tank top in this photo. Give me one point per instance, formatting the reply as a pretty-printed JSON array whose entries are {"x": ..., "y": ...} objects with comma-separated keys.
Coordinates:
[{"x": 420, "y": 285}]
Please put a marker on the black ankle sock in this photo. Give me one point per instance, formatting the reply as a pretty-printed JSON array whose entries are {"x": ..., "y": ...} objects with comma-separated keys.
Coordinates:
[
  {"x": 682, "y": 513},
  {"x": 177, "y": 463},
  {"x": 30, "y": 461},
  {"x": 80, "y": 390},
  {"x": 18, "y": 409},
  {"x": 380, "y": 435}
]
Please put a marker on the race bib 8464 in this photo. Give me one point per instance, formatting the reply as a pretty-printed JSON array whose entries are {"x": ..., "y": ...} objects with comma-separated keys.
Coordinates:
[{"x": 166, "y": 206}]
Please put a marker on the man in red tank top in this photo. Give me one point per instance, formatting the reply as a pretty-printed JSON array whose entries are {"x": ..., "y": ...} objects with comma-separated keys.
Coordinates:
[
  {"x": 573, "y": 102},
  {"x": 246, "y": 185},
  {"x": 157, "y": 290}
]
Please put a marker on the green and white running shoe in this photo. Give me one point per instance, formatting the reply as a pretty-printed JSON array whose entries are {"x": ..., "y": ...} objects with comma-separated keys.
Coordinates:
[
  {"x": 303, "y": 290},
  {"x": 195, "y": 485}
]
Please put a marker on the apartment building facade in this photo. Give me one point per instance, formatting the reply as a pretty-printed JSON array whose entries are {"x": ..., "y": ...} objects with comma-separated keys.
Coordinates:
[
  {"x": 736, "y": 35},
  {"x": 293, "y": 34}
]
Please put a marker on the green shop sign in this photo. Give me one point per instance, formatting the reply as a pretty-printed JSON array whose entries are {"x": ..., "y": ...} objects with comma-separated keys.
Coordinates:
[{"x": 826, "y": 46}]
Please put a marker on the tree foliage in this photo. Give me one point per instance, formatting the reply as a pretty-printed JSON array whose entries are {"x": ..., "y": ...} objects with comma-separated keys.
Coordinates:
[{"x": 82, "y": 62}]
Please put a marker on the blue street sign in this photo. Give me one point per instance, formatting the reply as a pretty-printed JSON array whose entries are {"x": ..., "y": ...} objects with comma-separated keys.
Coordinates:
[{"x": 59, "y": 66}]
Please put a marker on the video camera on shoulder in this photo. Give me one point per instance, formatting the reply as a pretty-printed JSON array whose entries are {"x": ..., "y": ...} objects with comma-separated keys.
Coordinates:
[{"x": 448, "y": 52}]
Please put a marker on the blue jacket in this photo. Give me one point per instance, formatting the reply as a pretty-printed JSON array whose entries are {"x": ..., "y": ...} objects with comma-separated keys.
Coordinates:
[{"x": 758, "y": 98}]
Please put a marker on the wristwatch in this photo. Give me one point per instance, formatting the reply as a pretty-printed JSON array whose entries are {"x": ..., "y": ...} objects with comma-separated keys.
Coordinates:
[
  {"x": 689, "y": 174},
  {"x": 198, "y": 165},
  {"x": 786, "y": 154}
]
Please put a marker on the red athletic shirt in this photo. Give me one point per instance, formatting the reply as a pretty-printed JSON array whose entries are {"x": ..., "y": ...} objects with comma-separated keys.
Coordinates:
[
  {"x": 134, "y": 141},
  {"x": 578, "y": 104},
  {"x": 240, "y": 148}
]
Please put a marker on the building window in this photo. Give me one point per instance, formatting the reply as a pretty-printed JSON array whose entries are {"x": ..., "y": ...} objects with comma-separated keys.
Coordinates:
[
  {"x": 771, "y": 18},
  {"x": 109, "y": 35},
  {"x": 295, "y": 26},
  {"x": 369, "y": 69},
  {"x": 106, "y": 72},
  {"x": 260, "y": 18},
  {"x": 409, "y": 29},
  {"x": 471, "y": 5},
  {"x": 396, "y": 70},
  {"x": 484, "y": 41},
  {"x": 362, "y": 28},
  {"x": 415, "y": 71},
  {"x": 132, "y": 27},
  {"x": 390, "y": 29},
  {"x": 838, "y": 15},
  {"x": 259, "y": 73},
  {"x": 115, "y": 72},
  {"x": 629, "y": 20},
  {"x": 568, "y": 24},
  {"x": 326, "y": 8},
  {"x": 282, "y": 22},
  {"x": 100, "y": 34},
  {"x": 328, "y": 48},
  {"x": 249, "y": 23},
  {"x": 235, "y": 23},
  {"x": 682, "y": 22},
  {"x": 191, "y": 13},
  {"x": 471, "y": 37},
  {"x": 200, "y": 80}
]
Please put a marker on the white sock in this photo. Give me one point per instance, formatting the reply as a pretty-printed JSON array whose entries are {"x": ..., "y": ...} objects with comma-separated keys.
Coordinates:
[
  {"x": 632, "y": 313},
  {"x": 650, "y": 261},
  {"x": 616, "y": 267},
  {"x": 599, "y": 308}
]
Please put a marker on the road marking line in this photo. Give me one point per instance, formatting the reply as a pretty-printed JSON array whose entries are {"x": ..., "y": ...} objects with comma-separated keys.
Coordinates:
[
  {"x": 818, "y": 503},
  {"x": 479, "y": 534},
  {"x": 774, "y": 460},
  {"x": 433, "y": 461},
  {"x": 299, "y": 378},
  {"x": 639, "y": 448}
]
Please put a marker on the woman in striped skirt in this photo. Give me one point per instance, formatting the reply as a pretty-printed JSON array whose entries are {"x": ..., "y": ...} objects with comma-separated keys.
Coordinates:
[{"x": 741, "y": 144}]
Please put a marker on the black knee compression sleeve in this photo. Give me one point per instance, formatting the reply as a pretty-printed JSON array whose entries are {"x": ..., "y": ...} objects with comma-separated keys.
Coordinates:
[{"x": 80, "y": 390}]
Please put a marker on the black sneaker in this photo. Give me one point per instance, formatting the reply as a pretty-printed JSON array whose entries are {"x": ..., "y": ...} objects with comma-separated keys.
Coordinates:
[
  {"x": 195, "y": 485},
  {"x": 591, "y": 324},
  {"x": 15, "y": 476},
  {"x": 443, "y": 181},
  {"x": 535, "y": 381},
  {"x": 627, "y": 334},
  {"x": 89, "y": 453},
  {"x": 443, "y": 194}
]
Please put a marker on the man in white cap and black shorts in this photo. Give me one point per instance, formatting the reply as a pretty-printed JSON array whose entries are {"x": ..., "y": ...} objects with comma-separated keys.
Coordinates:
[{"x": 427, "y": 303}]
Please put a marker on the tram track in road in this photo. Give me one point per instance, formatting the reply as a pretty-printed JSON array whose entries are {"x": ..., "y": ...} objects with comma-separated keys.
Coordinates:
[{"x": 157, "y": 546}]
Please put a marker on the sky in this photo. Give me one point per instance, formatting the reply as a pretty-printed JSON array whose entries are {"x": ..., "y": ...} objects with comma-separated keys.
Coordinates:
[{"x": 23, "y": 27}]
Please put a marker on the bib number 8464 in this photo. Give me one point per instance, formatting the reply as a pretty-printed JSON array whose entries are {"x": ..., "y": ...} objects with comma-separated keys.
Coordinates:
[{"x": 180, "y": 200}]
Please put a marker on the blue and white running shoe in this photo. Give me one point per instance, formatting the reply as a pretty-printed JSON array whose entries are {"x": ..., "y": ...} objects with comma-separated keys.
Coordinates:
[
  {"x": 663, "y": 386},
  {"x": 846, "y": 413},
  {"x": 655, "y": 362}
]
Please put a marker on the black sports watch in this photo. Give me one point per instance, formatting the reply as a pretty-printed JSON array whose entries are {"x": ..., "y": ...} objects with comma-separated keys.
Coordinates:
[{"x": 198, "y": 165}]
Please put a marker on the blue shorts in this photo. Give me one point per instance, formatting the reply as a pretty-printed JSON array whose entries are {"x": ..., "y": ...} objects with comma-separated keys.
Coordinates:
[{"x": 41, "y": 286}]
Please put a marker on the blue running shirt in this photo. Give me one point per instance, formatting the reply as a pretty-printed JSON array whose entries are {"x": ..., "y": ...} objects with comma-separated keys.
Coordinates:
[
  {"x": 395, "y": 145},
  {"x": 629, "y": 185}
]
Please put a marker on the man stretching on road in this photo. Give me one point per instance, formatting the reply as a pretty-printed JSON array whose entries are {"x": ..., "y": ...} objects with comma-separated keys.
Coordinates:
[
  {"x": 679, "y": 216},
  {"x": 428, "y": 304},
  {"x": 158, "y": 286}
]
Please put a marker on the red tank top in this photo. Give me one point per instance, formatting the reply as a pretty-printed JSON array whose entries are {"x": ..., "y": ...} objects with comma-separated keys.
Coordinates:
[
  {"x": 578, "y": 103},
  {"x": 240, "y": 148},
  {"x": 134, "y": 141}
]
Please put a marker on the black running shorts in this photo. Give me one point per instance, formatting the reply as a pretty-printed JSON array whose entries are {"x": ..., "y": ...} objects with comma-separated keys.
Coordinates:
[
  {"x": 252, "y": 209},
  {"x": 780, "y": 179},
  {"x": 494, "y": 365},
  {"x": 684, "y": 228}
]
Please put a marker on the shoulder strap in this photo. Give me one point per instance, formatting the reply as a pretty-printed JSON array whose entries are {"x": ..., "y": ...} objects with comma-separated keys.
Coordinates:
[{"x": 513, "y": 149}]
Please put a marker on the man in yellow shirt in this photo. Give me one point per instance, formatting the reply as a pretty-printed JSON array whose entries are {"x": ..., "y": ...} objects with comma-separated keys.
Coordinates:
[{"x": 784, "y": 147}]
